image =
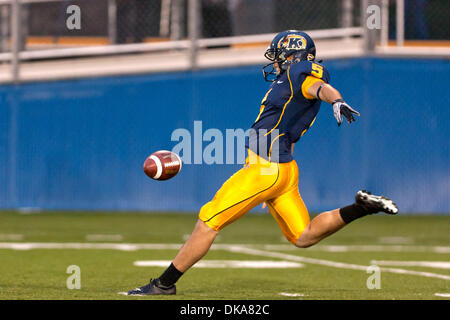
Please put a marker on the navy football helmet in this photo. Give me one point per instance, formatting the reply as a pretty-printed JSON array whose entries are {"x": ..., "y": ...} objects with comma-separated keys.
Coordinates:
[{"x": 285, "y": 44}]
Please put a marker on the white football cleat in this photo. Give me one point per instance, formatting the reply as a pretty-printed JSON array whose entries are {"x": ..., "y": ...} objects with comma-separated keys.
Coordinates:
[{"x": 375, "y": 203}]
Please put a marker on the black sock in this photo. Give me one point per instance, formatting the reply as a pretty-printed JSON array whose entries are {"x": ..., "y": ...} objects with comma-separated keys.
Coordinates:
[
  {"x": 170, "y": 276},
  {"x": 352, "y": 212}
]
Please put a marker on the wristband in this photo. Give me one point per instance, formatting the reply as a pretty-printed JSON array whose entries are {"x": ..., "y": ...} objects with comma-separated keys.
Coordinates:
[{"x": 337, "y": 100}]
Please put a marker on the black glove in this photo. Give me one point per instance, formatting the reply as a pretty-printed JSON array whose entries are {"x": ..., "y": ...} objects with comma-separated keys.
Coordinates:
[{"x": 341, "y": 108}]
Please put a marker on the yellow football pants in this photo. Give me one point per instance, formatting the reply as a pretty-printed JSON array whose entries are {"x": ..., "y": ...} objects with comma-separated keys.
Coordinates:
[{"x": 257, "y": 182}]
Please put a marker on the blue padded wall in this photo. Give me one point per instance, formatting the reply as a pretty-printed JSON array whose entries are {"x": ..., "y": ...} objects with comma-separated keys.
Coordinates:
[{"x": 80, "y": 144}]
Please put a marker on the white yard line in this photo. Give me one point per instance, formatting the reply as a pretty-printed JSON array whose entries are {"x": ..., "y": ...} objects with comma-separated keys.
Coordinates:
[
  {"x": 187, "y": 235},
  {"x": 171, "y": 246},
  {"x": 334, "y": 264},
  {"x": 29, "y": 210},
  {"x": 279, "y": 255},
  {"x": 248, "y": 264},
  {"x": 104, "y": 237},
  {"x": 396, "y": 240},
  {"x": 286, "y": 294},
  {"x": 426, "y": 264},
  {"x": 11, "y": 236},
  {"x": 233, "y": 248},
  {"x": 82, "y": 246},
  {"x": 359, "y": 248},
  {"x": 416, "y": 273},
  {"x": 445, "y": 295}
]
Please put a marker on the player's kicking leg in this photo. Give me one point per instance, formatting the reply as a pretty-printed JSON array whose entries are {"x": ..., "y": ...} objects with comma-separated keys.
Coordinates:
[
  {"x": 292, "y": 216},
  {"x": 329, "y": 222}
]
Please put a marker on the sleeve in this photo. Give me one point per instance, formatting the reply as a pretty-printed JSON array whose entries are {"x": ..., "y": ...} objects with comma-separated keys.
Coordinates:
[
  {"x": 307, "y": 73},
  {"x": 308, "y": 82}
]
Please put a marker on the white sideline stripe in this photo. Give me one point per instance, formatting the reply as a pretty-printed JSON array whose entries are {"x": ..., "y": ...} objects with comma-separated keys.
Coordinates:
[
  {"x": 292, "y": 294},
  {"x": 396, "y": 240},
  {"x": 341, "y": 265},
  {"x": 428, "y": 264},
  {"x": 187, "y": 235},
  {"x": 361, "y": 248},
  {"x": 232, "y": 248},
  {"x": 11, "y": 236},
  {"x": 445, "y": 295},
  {"x": 70, "y": 245},
  {"x": 256, "y": 252},
  {"x": 28, "y": 210},
  {"x": 104, "y": 237},
  {"x": 251, "y": 264},
  {"x": 416, "y": 273},
  {"x": 170, "y": 246}
]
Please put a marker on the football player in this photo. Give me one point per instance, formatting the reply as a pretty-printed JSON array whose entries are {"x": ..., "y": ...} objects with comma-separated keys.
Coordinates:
[{"x": 270, "y": 175}]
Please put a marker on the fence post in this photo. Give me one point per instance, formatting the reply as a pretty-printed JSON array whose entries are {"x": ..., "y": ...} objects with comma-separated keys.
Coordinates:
[
  {"x": 5, "y": 11},
  {"x": 193, "y": 25},
  {"x": 176, "y": 23},
  {"x": 112, "y": 21},
  {"x": 364, "y": 5},
  {"x": 15, "y": 35},
  {"x": 384, "y": 23},
  {"x": 347, "y": 15},
  {"x": 165, "y": 18},
  {"x": 400, "y": 19}
]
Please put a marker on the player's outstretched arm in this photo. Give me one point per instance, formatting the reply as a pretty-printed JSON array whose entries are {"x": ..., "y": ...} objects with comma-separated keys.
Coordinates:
[{"x": 327, "y": 93}]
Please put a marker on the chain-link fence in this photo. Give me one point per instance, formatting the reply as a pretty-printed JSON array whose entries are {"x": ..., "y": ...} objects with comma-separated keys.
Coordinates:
[
  {"x": 40, "y": 29},
  {"x": 239, "y": 17},
  {"x": 44, "y": 22},
  {"x": 423, "y": 19}
]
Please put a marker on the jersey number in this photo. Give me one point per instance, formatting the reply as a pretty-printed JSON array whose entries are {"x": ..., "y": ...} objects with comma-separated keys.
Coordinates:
[{"x": 317, "y": 70}]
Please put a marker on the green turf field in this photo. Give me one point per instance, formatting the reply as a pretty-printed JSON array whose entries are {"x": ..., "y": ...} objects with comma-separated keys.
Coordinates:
[{"x": 36, "y": 249}]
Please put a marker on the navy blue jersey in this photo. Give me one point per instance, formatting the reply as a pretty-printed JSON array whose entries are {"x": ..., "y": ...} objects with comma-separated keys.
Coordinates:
[{"x": 286, "y": 113}]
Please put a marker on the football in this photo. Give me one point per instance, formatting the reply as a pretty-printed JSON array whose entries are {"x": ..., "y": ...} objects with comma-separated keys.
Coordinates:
[{"x": 162, "y": 165}]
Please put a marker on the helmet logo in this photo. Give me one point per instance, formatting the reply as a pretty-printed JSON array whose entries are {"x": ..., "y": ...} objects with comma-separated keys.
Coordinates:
[{"x": 294, "y": 42}]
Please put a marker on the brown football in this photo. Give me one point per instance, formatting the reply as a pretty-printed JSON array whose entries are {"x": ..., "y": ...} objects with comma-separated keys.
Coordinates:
[{"x": 162, "y": 165}]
